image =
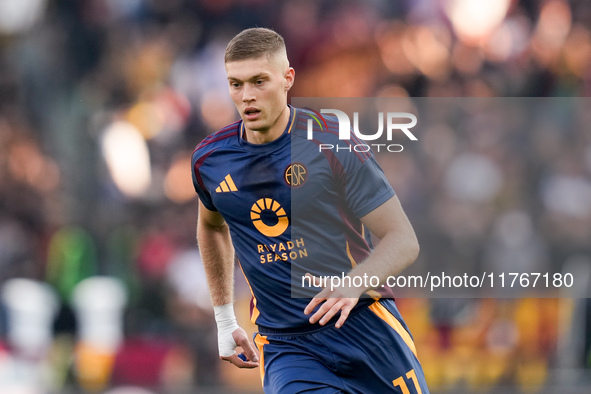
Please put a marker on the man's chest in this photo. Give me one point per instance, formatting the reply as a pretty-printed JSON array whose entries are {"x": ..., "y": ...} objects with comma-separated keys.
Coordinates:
[{"x": 249, "y": 188}]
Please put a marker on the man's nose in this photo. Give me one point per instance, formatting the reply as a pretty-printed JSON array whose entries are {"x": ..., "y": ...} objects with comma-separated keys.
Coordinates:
[{"x": 247, "y": 93}]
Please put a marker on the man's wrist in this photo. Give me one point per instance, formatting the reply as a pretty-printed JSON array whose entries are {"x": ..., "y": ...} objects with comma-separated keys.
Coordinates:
[
  {"x": 226, "y": 324},
  {"x": 223, "y": 312},
  {"x": 224, "y": 315},
  {"x": 357, "y": 291}
]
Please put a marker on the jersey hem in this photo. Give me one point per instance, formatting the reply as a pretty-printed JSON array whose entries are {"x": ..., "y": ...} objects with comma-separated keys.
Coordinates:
[{"x": 311, "y": 328}]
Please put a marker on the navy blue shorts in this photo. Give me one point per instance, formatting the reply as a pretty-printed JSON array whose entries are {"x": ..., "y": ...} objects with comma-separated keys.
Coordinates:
[{"x": 373, "y": 352}]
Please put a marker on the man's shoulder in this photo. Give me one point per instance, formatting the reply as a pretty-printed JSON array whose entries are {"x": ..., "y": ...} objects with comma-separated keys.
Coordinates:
[{"x": 222, "y": 137}]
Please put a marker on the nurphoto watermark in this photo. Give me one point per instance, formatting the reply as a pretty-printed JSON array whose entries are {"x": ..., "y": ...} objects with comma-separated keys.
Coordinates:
[{"x": 393, "y": 122}]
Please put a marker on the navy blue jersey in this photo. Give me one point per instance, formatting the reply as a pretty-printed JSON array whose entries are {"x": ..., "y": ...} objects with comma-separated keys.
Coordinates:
[{"x": 291, "y": 208}]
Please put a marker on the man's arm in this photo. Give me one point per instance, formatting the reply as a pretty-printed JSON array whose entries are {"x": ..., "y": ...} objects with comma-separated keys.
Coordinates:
[
  {"x": 217, "y": 253},
  {"x": 397, "y": 250}
]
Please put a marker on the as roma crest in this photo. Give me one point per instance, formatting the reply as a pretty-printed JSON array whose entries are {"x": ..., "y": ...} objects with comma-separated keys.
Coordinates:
[{"x": 295, "y": 175}]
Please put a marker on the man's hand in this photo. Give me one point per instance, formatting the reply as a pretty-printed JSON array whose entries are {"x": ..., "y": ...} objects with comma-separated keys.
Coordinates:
[
  {"x": 230, "y": 336},
  {"x": 249, "y": 357},
  {"x": 338, "y": 299}
]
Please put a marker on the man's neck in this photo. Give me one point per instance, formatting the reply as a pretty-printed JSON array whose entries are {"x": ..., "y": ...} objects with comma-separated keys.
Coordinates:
[{"x": 274, "y": 132}]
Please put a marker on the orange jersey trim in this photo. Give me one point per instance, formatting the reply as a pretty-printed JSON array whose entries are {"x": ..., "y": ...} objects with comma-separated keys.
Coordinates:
[
  {"x": 292, "y": 120},
  {"x": 353, "y": 262},
  {"x": 372, "y": 293},
  {"x": 261, "y": 341},
  {"x": 386, "y": 316},
  {"x": 255, "y": 311}
]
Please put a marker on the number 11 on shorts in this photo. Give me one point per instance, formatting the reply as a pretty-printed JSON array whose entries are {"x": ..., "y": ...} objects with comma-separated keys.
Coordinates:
[{"x": 410, "y": 375}]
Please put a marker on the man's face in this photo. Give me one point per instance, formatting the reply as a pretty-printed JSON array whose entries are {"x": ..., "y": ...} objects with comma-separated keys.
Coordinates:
[{"x": 258, "y": 88}]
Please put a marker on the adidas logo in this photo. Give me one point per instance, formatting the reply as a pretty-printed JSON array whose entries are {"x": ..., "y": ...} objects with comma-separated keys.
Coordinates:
[{"x": 227, "y": 185}]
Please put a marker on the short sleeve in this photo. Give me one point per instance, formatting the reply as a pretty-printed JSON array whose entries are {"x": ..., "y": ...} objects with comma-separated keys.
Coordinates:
[
  {"x": 200, "y": 188},
  {"x": 366, "y": 186}
]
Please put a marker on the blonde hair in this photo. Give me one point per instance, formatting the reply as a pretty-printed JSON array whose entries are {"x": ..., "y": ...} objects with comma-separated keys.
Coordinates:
[{"x": 254, "y": 43}]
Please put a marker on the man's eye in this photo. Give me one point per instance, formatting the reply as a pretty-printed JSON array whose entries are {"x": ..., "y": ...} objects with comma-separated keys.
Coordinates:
[
  {"x": 235, "y": 85},
  {"x": 259, "y": 82}
]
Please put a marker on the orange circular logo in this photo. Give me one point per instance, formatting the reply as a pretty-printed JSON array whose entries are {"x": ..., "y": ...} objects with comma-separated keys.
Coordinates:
[{"x": 269, "y": 217}]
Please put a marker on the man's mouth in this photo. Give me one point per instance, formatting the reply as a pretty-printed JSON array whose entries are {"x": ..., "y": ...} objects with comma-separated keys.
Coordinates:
[{"x": 252, "y": 113}]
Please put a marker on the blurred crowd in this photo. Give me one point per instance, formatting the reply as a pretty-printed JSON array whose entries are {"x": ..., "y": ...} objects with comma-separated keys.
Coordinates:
[{"x": 103, "y": 101}]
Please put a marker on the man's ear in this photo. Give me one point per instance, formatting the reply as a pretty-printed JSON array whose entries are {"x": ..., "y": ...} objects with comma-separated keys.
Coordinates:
[{"x": 289, "y": 78}]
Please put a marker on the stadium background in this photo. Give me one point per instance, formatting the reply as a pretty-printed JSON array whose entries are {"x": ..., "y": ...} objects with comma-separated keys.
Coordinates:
[{"x": 102, "y": 102}]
